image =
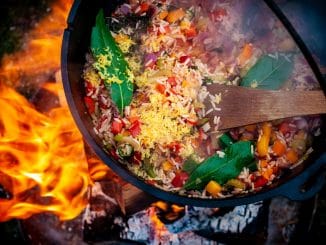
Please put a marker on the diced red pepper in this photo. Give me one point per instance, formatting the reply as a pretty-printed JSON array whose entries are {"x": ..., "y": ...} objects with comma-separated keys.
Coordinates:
[
  {"x": 114, "y": 154},
  {"x": 190, "y": 32},
  {"x": 184, "y": 58},
  {"x": 116, "y": 126},
  {"x": 160, "y": 88},
  {"x": 175, "y": 147},
  {"x": 136, "y": 158},
  {"x": 135, "y": 128},
  {"x": 284, "y": 128},
  {"x": 172, "y": 81},
  {"x": 260, "y": 181},
  {"x": 180, "y": 179},
  {"x": 90, "y": 104},
  {"x": 144, "y": 7},
  {"x": 89, "y": 87}
]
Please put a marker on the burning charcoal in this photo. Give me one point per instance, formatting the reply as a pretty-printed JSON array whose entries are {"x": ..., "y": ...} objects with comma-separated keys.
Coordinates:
[{"x": 168, "y": 213}]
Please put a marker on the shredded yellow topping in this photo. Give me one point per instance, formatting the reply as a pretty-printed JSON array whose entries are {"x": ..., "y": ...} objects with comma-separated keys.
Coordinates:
[
  {"x": 124, "y": 42},
  {"x": 160, "y": 123}
]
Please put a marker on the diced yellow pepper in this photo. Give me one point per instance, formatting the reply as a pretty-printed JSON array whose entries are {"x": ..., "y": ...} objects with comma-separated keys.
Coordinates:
[
  {"x": 267, "y": 129},
  {"x": 167, "y": 166},
  {"x": 262, "y": 146},
  {"x": 213, "y": 188},
  {"x": 263, "y": 141}
]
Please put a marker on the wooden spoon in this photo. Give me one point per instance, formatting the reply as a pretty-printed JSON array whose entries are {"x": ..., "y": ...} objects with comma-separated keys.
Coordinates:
[{"x": 240, "y": 106}]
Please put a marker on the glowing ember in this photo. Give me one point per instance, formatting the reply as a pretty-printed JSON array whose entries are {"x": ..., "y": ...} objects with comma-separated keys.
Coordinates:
[{"x": 42, "y": 160}]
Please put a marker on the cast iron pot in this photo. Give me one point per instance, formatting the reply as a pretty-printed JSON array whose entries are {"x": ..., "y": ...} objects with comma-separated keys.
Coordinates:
[{"x": 301, "y": 183}]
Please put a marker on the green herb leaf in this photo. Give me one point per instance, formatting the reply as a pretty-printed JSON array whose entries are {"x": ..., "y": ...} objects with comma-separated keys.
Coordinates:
[
  {"x": 149, "y": 168},
  {"x": 189, "y": 165},
  {"x": 270, "y": 72},
  {"x": 110, "y": 64},
  {"x": 225, "y": 140},
  {"x": 237, "y": 156}
]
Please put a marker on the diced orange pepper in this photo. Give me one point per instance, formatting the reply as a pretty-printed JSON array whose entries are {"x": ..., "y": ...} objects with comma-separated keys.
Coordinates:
[
  {"x": 175, "y": 15},
  {"x": 263, "y": 163},
  {"x": 213, "y": 188},
  {"x": 190, "y": 32},
  {"x": 163, "y": 14},
  {"x": 160, "y": 88},
  {"x": 167, "y": 166},
  {"x": 246, "y": 53},
  {"x": 279, "y": 148},
  {"x": 292, "y": 156},
  {"x": 267, "y": 173}
]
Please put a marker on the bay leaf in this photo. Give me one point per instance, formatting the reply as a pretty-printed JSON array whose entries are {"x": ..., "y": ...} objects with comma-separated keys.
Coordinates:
[
  {"x": 110, "y": 64},
  {"x": 221, "y": 169},
  {"x": 270, "y": 72}
]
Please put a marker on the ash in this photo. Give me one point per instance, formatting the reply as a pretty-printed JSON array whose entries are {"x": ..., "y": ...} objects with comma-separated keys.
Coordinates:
[
  {"x": 202, "y": 218},
  {"x": 141, "y": 227}
]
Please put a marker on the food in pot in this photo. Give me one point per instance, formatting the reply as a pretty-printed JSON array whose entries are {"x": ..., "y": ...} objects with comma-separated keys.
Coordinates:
[{"x": 145, "y": 83}]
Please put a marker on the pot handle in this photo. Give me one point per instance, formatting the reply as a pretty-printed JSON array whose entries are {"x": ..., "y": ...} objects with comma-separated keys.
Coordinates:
[{"x": 307, "y": 184}]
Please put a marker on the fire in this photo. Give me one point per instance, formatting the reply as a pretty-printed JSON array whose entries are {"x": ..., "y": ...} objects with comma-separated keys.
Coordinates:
[
  {"x": 40, "y": 53},
  {"x": 42, "y": 160}
]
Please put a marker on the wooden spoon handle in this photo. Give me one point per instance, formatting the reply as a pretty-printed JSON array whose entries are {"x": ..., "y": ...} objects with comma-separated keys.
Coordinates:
[{"x": 242, "y": 106}]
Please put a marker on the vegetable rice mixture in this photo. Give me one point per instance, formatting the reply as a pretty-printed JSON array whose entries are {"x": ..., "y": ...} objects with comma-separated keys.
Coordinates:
[{"x": 145, "y": 84}]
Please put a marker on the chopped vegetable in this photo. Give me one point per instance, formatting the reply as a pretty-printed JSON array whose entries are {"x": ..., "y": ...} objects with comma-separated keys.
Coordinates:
[
  {"x": 235, "y": 183},
  {"x": 175, "y": 15},
  {"x": 179, "y": 179},
  {"x": 90, "y": 104},
  {"x": 245, "y": 54},
  {"x": 279, "y": 148},
  {"x": 149, "y": 168},
  {"x": 167, "y": 166},
  {"x": 116, "y": 126},
  {"x": 125, "y": 150},
  {"x": 292, "y": 156},
  {"x": 263, "y": 141},
  {"x": 213, "y": 188}
]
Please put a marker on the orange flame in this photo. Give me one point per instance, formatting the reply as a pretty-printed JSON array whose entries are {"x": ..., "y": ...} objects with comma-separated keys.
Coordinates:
[
  {"x": 42, "y": 160},
  {"x": 40, "y": 53}
]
